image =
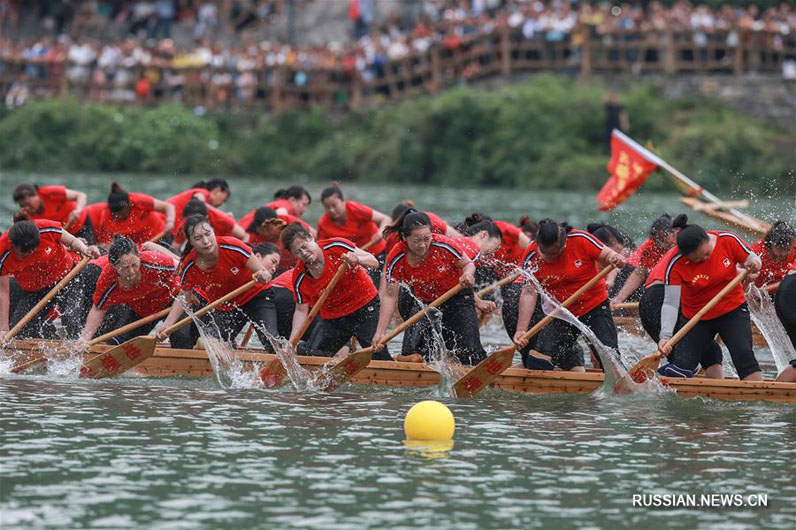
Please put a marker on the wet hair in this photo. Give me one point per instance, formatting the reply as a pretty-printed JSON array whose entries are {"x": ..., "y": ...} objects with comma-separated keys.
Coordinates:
[
  {"x": 690, "y": 237},
  {"x": 529, "y": 226},
  {"x": 472, "y": 219},
  {"x": 194, "y": 207},
  {"x": 293, "y": 192},
  {"x": 489, "y": 227},
  {"x": 262, "y": 215},
  {"x": 293, "y": 231},
  {"x": 661, "y": 225},
  {"x": 120, "y": 246},
  {"x": 189, "y": 224},
  {"x": 781, "y": 236},
  {"x": 332, "y": 190},
  {"x": 551, "y": 233},
  {"x": 212, "y": 184},
  {"x": 607, "y": 234},
  {"x": 401, "y": 208},
  {"x": 24, "y": 234},
  {"x": 118, "y": 199},
  {"x": 408, "y": 221},
  {"x": 23, "y": 191},
  {"x": 263, "y": 249}
]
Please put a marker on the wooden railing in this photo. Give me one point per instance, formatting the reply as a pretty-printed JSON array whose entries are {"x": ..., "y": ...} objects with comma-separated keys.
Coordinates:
[{"x": 500, "y": 53}]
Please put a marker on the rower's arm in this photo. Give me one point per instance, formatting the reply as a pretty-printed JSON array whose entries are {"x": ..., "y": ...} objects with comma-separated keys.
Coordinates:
[
  {"x": 73, "y": 243},
  {"x": 175, "y": 312},
  {"x": 388, "y": 299},
  {"x": 168, "y": 209},
  {"x": 638, "y": 275},
  {"x": 523, "y": 240},
  {"x": 299, "y": 316},
  {"x": 160, "y": 249},
  {"x": 383, "y": 221},
  {"x": 240, "y": 233},
  {"x": 468, "y": 272},
  {"x": 610, "y": 257},
  {"x": 669, "y": 311},
  {"x": 361, "y": 257},
  {"x": 80, "y": 199},
  {"x": 93, "y": 322},
  {"x": 5, "y": 304},
  {"x": 452, "y": 232},
  {"x": 753, "y": 263},
  {"x": 526, "y": 307}
]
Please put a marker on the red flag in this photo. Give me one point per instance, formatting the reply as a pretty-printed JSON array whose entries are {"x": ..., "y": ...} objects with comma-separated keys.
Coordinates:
[{"x": 628, "y": 169}]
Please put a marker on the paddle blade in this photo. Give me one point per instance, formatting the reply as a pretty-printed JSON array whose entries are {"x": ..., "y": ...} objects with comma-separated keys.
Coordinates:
[
  {"x": 119, "y": 359},
  {"x": 645, "y": 369},
  {"x": 273, "y": 374},
  {"x": 23, "y": 363},
  {"x": 484, "y": 373},
  {"x": 351, "y": 365}
]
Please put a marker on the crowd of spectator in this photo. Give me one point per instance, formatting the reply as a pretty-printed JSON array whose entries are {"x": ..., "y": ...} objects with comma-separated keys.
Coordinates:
[{"x": 115, "y": 68}]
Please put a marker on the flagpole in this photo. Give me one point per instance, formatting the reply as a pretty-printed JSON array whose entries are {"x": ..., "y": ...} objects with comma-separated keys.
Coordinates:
[{"x": 655, "y": 159}]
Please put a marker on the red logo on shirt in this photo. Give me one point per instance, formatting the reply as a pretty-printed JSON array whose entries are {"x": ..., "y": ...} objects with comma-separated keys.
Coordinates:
[
  {"x": 698, "y": 277},
  {"x": 48, "y": 250},
  {"x": 727, "y": 262},
  {"x": 234, "y": 270}
]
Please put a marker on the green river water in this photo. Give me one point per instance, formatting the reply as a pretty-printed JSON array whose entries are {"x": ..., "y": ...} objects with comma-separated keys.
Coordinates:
[{"x": 179, "y": 453}]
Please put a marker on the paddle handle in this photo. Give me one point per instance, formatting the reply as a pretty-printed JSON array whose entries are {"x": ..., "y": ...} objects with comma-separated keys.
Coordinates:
[
  {"x": 707, "y": 307},
  {"x": 317, "y": 307},
  {"x": 627, "y": 305},
  {"x": 130, "y": 327},
  {"x": 772, "y": 287},
  {"x": 500, "y": 283},
  {"x": 209, "y": 307},
  {"x": 44, "y": 301},
  {"x": 247, "y": 337},
  {"x": 568, "y": 302}
]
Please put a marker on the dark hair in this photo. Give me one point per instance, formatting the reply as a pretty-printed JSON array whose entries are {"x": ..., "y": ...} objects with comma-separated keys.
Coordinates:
[
  {"x": 781, "y": 236},
  {"x": 120, "y": 246},
  {"x": 212, "y": 184},
  {"x": 552, "y": 233},
  {"x": 334, "y": 189},
  {"x": 293, "y": 192},
  {"x": 486, "y": 226},
  {"x": 606, "y": 233},
  {"x": 265, "y": 248},
  {"x": 661, "y": 225},
  {"x": 408, "y": 221},
  {"x": 118, "y": 199},
  {"x": 261, "y": 215},
  {"x": 194, "y": 207},
  {"x": 293, "y": 231},
  {"x": 401, "y": 208},
  {"x": 529, "y": 226},
  {"x": 690, "y": 237},
  {"x": 475, "y": 218},
  {"x": 23, "y": 191},
  {"x": 189, "y": 224},
  {"x": 24, "y": 234}
]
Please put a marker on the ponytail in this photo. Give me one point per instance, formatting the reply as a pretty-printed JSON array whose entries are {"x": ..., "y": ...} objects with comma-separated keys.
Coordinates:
[
  {"x": 690, "y": 237},
  {"x": 401, "y": 208},
  {"x": 552, "y": 233},
  {"x": 293, "y": 192},
  {"x": 408, "y": 221},
  {"x": 489, "y": 227},
  {"x": 529, "y": 226},
  {"x": 118, "y": 199}
]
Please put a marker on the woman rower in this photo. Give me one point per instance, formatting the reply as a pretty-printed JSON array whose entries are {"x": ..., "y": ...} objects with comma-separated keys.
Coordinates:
[
  {"x": 705, "y": 263},
  {"x": 353, "y": 221},
  {"x": 37, "y": 255},
  {"x": 266, "y": 226},
  {"x": 212, "y": 267},
  {"x": 438, "y": 225},
  {"x": 352, "y": 308},
  {"x": 777, "y": 250},
  {"x": 785, "y": 305},
  {"x": 291, "y": 201},
  {"x": 281, "y": 290},
  {"x": 135, "y": 215},
  {"x": 213, "y": 192},
  {"x": 508, "y": 257},
  {"x": 56, "y": 203},
  {"x": 142, "y": 282},
  {"x": 431, "y": 264},
  {"x": 223, "y": 224},
  {"x": 619, "y": 243},
  {"x": 563, "y": 260},
  {"x": 660, "y": 241},
  {"x": 480, "y": 242}
]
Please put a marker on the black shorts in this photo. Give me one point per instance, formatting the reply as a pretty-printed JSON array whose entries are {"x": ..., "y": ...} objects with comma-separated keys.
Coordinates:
[
  {"x": 375, "y": 274},
  {"x": 559, "y": 338},
  {"x": 455, "y": 320},
  {"x": 785, "y": 305},
  {"x": 735, "y": 330},
  {"x": 649, "y": 309},
  {"x": 621, "y": 278},
  {"x": 330, "y": 335},
  {"x": 285, "y": 307}
]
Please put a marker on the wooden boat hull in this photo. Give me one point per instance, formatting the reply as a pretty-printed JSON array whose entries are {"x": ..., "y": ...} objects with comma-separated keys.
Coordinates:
[{"x": 168, "y": 362}]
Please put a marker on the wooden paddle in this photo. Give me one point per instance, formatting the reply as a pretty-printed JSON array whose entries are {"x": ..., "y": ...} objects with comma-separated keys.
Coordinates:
[
  {"x": 632, "y": 306},
  {"x": 44, "y": 301},
  {"x": 273, "y": 374},
  {"x": 350, "y": 365},
  {"x": 647, "y": 367},
  {"x": 97, "y": 340},
  {"x": 490, "y": 368},
  {"x": 500, "y": 283},
  {"x": 125, "y": 356},
  {"x": 772, "y": 287}
]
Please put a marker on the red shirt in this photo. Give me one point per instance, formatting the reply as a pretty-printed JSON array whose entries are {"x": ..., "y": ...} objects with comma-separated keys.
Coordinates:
[
  {"x": 435, "y": 275},
  {"x": 438, "y": 225},
  {"x": 45, "y": 266},
  {"x": 510, "y": 254},
  {"x": 700, "y": 282},
  {"x": 247, "y": 219},
  {"x": 284, "y": 280},
  {"x": 576, "y": 265},
  {"x": 228, "y": 274},
  {"x": 182, "y": 199},
  {"x": 143, "y": 223},
  {"x": 647, "y": 255},
  {"x": 154, "y": 290},
  {"x": 57, "y": 207},
  {"x": 771, "y": 271},
  {"x": 359, "y": 227},
  {"x": 286, "y": 260},
  {"x": 94, "y": 212},
  {"x": 659, "y": 270},
  {"x": 282, "y": 203},
  {"x": 354, "y": 290},
  {"x": 222, "y": 224}
]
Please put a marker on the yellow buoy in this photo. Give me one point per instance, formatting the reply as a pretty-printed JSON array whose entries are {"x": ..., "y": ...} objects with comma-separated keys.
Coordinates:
[{"x": 429, "y": 420}]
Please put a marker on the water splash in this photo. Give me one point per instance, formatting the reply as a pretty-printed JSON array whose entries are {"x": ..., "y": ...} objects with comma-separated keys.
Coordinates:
[{"x": 764, "y": 315}]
